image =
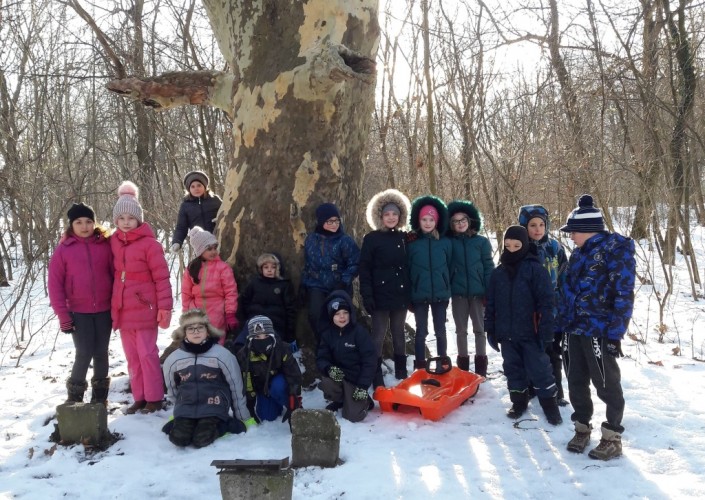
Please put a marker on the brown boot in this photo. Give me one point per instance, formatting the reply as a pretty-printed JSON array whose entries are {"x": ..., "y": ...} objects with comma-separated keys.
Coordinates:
[
  {"x": 610, "y": 446},
  {"x": 153, "y": 406},
  {"x": 136, "y": 406},
  {"x": 581, "y": 438},
  {"x": 75, "y": 390},
  {"x": 99, "y": 392}
]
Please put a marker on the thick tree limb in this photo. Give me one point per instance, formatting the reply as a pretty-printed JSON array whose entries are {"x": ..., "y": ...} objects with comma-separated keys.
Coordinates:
[{"x": 170, "y": 90}]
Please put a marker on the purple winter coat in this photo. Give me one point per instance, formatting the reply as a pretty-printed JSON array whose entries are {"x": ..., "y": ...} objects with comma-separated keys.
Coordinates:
[
  {"x": 142, "y": 285},
  {"x": 81, "y": 276}
]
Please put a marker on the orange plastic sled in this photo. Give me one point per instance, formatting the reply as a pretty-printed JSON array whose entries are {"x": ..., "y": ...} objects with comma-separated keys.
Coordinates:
[{"x": 435, "y": 395}]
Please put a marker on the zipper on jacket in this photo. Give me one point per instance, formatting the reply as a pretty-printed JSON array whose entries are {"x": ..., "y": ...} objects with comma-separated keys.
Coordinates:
[
  {"x": 430, "y": 267},
  {"x": 90, "y": 265}
]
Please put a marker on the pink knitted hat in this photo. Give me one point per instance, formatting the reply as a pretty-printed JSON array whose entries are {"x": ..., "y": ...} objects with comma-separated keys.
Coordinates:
[
  {"x": 428, "y": 210},
  {"x": 127, "y": 202}
]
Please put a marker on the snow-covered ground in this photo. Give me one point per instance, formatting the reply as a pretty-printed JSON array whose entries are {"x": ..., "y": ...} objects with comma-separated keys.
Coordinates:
[{"x": 475, "y": 452}]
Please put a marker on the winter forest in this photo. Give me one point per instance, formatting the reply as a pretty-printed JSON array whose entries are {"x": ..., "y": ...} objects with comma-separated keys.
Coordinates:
[{"x": 504, "y": 103}]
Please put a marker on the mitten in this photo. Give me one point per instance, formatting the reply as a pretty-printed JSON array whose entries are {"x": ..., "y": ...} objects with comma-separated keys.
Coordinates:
[
  {"x": 294, "y": 404},
  {"x": 359, "y": 394},
  {"x": 492, "y": 341},
  {"x": 67, "y": 326},
  {"x": 174, "y": 248},
  {"x": 336, "y": 374},
  {"x": 614, "y": 348},
  {"x": 230, "y": 323},
  {"x": 369, "y": 305},
  {"x": 249, "y": 423},
  {"x": 163, "y": 318}
]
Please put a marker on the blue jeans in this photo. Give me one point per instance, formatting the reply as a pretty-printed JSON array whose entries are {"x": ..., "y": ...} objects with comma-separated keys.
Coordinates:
[
  {"x": 270, "y": 407},
  {"x": 438, "y": 312}
]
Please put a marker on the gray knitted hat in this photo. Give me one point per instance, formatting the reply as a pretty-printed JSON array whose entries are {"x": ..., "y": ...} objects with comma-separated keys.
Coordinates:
[{"x": 201, "y": 239}]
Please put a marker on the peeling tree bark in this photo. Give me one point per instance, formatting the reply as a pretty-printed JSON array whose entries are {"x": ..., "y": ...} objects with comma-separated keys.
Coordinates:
[{"x": 300, "y": 96}]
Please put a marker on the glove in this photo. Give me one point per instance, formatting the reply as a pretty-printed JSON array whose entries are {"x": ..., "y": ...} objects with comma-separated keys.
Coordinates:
[
  {"x": 174, "y": 248},
  {"x": 369, "y": 305},
  {"x": 360, "y": 394},
  {"x": 251, "y": 409},
  {"x": 67, "y": 326},
  {"x": 294, "y": 404},
  {"x": 249, "y": 423},
  {"x": 336, "y": 374},
  {"x": 492, "y": 341},
  {"x": 230, "y": 323},
  {"x": 614, "y": 348},
  {"x": 163, "y": 318}
]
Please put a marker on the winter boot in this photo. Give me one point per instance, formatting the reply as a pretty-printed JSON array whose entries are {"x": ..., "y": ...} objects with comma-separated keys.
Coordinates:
[
  {"x": 419, "y": 364},
  {"x": 463, "y": 362},
  {"x": 75, "y": 390},
  {"x": 481, "y": 365},
  {"x": 206, "y": 431},
  {"x": 610, "y": 445},
  {"x": 136, "y": 406},
  {"x": 182, "y": 432},
  {"x": 520, "y": 401},
  {"x": 99, "y": 390},
  {"x": 378, "y": 380},
  {"x": 152, "y": 406},
  {"x": 370, "y": 403},
  {"x": 581, "y": 438},
  {"x": 334, "y": 406},
  {"x": 550, "y": 409},
  {"x": 400, "y": 372}
]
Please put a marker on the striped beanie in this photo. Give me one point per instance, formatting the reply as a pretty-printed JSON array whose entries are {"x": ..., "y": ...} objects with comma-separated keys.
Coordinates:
[
  {"x": 586, "y": 218},
  {"x": 201, "y": 239},
  {"x": 128, "y": 203}
]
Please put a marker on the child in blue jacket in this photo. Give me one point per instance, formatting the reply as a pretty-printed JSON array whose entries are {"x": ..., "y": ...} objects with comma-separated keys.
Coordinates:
[{"x": 519, "y": 317}]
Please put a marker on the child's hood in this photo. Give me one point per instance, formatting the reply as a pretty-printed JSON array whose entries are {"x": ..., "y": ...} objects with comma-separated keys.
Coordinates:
[
  {"x": 144, "y": 230},
  {"x": 435, "y": 202},
  {"x": 469, "y": 209},
  {"x": 380, "y": 200},
  {"x": 343, "y": 296}
]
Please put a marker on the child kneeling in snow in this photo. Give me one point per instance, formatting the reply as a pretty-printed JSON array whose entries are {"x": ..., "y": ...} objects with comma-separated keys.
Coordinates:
[
  {"x": 271, "y": 375},
  {"x": 203, "y": 380}
]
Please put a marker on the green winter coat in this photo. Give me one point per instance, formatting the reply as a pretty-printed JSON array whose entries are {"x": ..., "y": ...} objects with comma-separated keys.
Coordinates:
[
  {"x": 429, "y": 268},
  {"x": 471, "y": 265}
]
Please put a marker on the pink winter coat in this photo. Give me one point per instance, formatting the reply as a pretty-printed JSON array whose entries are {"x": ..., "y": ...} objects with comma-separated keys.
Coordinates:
[
  {"x": 216, "y": 293},
  {"x": 81, "y": 276},
  {"x": 141, "y": 285}
]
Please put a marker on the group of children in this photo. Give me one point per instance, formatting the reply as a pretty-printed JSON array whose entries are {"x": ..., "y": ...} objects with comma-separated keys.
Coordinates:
[{"x": 535, "y": 307}]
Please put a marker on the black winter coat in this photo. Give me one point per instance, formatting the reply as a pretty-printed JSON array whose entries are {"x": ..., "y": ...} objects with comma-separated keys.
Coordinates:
[
  {"x": 196, "y": 212},
  {"x": 350, "y": 349},
  {"x": 258, "y": 369},
  {"x": 522, "y": 308},
  {"x": 384, "y": 271},
  {"x": 271, "y": 297}
]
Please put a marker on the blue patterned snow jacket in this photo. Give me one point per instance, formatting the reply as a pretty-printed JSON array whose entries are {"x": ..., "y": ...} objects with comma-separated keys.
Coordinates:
[
  {"x": 597, "y": 296},
  {"x": 331, "y": 261},
  {"x": 522, "y": 308}
]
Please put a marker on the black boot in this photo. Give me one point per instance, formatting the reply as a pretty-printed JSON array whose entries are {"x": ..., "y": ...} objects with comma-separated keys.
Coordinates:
[
  {"x": 481, "y": 365},
  {"x": 378, "y": 380},
  {"x": 520, "y": 401},
  {"x": 463, "y": 362},
  {"x": 550, "y": 409},
  {"x": 419, "y": 364},
  {"x": 75, "y": 390},
  {"x": 99, "y": 390},
  {"x": 400, "y": 372}
]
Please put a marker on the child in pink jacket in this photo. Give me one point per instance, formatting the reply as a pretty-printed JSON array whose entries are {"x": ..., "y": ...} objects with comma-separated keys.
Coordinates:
[
  {"x": 210, "y": 284},
  {"x": 141, "y": 298},
  {"x": 80, "y": 285}
]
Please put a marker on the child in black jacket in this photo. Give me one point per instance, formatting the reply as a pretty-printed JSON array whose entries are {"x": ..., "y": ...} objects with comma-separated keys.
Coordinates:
[{"x": 519, "y": 316}]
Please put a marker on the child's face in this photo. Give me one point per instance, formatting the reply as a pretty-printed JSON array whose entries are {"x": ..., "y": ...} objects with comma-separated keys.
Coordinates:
[
  {"x": 459, "y": 223},
  {"x": 580, "y": 238},
  {"x": 427, "y": 223},
  {"x": 341, "y": 318},
  {"x": 512, "y": 245},
  {"x": 196, "y": 189},
  {"x": 127, "y": 222},
  {"x": 390, "y": 219},
  {"x": 83, "y": 227},
  {"x": 269, "y": 270},
  {"x": 536, "y": 228},
  {"x": 210, "y": 253},
  {"x": 332, "y": 224},
  {"x": 196, "y": 333}
]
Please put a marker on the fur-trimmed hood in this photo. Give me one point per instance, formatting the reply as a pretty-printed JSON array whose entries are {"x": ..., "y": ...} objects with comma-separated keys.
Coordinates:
[
  {"x": 469, "y": 209},
  {"x": 382, "y": 199},
  {"x": 435, "y": 202},
  {"x": 193, "y": 317}
]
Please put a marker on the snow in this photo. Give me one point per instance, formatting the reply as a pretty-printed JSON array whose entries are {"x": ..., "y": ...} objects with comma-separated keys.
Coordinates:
[{"x": 475, "y": 452}]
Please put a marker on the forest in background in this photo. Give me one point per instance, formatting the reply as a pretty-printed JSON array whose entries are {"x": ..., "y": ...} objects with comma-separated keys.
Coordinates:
[{"x": 502, "y": 103}]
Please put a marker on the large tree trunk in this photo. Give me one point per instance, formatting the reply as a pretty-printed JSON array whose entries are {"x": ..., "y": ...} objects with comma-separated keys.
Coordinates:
[{"x": 300, "y": 97}]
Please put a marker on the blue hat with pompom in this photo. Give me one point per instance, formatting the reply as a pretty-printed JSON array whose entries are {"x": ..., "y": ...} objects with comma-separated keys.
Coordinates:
[{"x": 586, "y": 218}]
